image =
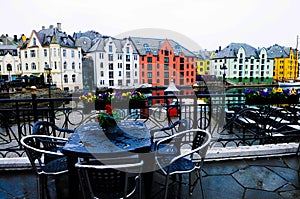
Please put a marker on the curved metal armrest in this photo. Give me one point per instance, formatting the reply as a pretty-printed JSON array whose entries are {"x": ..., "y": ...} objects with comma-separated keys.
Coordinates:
[
  {"x": 38, "y": 124},
  {"x": 181, "y": 135},
  {"x": 43, "y": 138}
]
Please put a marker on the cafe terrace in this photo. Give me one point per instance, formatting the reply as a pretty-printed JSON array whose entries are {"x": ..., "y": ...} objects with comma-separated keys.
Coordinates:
[{"x": 251, "y": 146}]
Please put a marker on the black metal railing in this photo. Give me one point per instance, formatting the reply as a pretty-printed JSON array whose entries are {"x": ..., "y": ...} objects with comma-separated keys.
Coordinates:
[{"x": 220, "y": 114}]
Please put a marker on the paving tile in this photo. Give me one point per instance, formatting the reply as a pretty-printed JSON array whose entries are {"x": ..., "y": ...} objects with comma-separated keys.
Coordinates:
[
  {"x": 223, "y": 167},
  {"x": 288, "y": 174},
  {"x": 266, "y": 162},
  {"x": 222, "y": 187},
  {"x": 295, "y": 194},
  {"x": 252, "y": 193},
  {"x": 257, "y": 177}
]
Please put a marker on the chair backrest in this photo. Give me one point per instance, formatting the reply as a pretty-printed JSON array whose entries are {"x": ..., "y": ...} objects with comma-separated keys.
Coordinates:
[
  {"x": 36, "y": 148},
  {"x": 108, "y": 181},
  {"x": 48, "y": 128},
  {"x": 183, "y": 144}
]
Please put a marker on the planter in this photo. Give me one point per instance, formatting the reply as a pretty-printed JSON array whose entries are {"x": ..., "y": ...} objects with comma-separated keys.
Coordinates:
[
  {"x": 88, "y": 107},
  {"x": 137, "y": 104},
  {"x": 293, "y": 99},
  {"x": 100, "y": 104}
]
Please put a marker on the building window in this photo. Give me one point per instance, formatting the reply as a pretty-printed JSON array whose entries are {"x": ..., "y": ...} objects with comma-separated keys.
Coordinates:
[
  {"x": 25, "y": 54},
  {"x": 66, "y": 78},
  {"x": 33, "y": 66},
  {"x": 166, "y": 74},
  {"x": 135, "y": 57},
  {"x": 54, "y": 52},
  {"x": 101, "y": 73},
  {"x": 45, "y": 53},
  {"x": 110, "y": 48},
  {"x": 79, "y": 54},
  {"x": 26, "y": 67},
  {"x": 119, "y": 65},
  {"x": 65, "y": 65},
  {"x": 128, "y": 75},
  {"x": 34, "y": 41},
  {"x": 149, "y": 66},
  {"x": 120, "y": 73},
  {"x": 149, "y": 59},
  {"x": 110, "y": 57},
  {"x": 149, "y": 74},
  {"x": 166, "y": 66},
  {"x": 127, "y": 57},
  {"x": 101, "y": 64},
  {"x": 32, "y": 53},
  {"x": 111, "y": 66},
  {"x": 120, "y": 56},
  {"x": 111, "y": 74},
  {"x": 166, "y": 59},
  {"x": 55, "y": 65},
  {"x": 73, "y": 78},
  {"x": 64, "y": 53},
  {"x": 127, "y": 66},
  {"x": 127, "y": 49},
  {"x": 72, "y": 54},
  {"x": 73, "y": 65}
]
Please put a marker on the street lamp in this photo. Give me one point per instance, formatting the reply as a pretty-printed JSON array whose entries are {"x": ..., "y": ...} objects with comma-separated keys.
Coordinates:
[
  {"x": 223, "y": 67},
  {"x": 48, "y": 72}
]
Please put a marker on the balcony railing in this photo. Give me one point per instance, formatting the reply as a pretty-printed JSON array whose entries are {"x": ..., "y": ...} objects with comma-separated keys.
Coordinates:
[{"x": 230, "y": 121}]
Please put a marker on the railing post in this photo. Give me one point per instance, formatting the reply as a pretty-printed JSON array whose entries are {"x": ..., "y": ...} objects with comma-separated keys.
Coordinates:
[{"x": 34, "y": 103}]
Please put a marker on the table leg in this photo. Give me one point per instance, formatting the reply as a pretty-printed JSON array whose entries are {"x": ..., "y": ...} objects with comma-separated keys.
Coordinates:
[{"x": 73, "y": 178}]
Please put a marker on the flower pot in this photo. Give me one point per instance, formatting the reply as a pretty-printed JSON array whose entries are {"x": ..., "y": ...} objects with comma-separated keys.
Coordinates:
[{"x": 88, "y": 107}]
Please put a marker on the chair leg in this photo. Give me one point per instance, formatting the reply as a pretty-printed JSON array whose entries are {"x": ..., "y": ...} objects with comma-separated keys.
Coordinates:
[
  {"x": 200, "y": 182},
  {"x": 166, "y": 186},
  {"x": 41, "y": 186}
]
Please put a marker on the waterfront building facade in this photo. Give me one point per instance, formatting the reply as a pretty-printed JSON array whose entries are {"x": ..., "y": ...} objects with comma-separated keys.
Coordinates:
[
  {"x": 9, "y": 58},
  {"x": 285, "y": 63},
  {"x": 115, "y": 63},
  {"x": 162, "y": 60},
  {"x": 241, "y": 63},
  {"x": 203, "y": 62},
  {"x": 52, "y": 48}
]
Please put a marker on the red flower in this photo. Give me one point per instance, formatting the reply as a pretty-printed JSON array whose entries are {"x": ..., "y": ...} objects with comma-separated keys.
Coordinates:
[{"x": 108, "y": 109}]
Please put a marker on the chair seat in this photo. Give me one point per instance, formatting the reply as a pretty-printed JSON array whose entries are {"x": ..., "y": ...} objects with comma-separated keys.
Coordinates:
[
  {"x": 181, "y": 165},
  {"x": 57, "y": 165},
  {"x": 115, "y": 194}
]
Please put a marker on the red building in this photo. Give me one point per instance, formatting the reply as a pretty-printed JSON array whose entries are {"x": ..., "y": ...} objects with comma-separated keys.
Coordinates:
[{"x": 162, "y": 60}]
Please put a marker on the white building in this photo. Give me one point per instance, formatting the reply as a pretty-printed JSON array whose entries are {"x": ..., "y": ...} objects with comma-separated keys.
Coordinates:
[
  {"x": 115, "y": 61},
  {"x": 9, "y": 59},
  {"x": 244, "y": 64},
  {"x": 55, "y": 49}
]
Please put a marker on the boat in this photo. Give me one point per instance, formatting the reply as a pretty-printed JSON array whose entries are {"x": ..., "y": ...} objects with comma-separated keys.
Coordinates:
[{"x": 289, "y": 84}]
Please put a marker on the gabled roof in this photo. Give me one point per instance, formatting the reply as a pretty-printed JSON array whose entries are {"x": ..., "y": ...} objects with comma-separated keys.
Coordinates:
[
  {"x": 54, "y": 35},
  {"x": 153, "y": 45},
  {"x": 93, "y": 35},
  {"x": 204, "y": 54},
  {"x": 277, "y": 51},
  {"x": 119, "y": 43},
  {"x": 232, "y": 49}
]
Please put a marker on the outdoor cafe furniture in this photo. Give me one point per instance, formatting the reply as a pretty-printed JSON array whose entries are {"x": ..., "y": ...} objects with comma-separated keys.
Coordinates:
[
  {"x": 182, "y": 153},
  {"x": 37, "y": 149},
  {"x": 115, "y": 180},
  {"x": 42, "y": 127},
  {"x": 90, "y": 141}
]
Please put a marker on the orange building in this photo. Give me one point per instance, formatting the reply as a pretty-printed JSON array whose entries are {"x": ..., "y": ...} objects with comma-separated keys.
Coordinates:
[{"x": 162, "y": 60}]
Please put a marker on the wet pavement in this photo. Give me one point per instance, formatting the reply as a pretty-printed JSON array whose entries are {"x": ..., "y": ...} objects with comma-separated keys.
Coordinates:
[{"x": 275, "y": 177}]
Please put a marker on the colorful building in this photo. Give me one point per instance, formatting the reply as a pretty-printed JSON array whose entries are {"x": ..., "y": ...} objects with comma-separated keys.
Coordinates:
[
  {"x": 285, "y": 63},
  {"x": 162, "y": 60}
]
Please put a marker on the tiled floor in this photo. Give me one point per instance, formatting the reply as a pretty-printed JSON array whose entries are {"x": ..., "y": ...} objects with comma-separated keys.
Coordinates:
[{"x": 253, "y": 178}]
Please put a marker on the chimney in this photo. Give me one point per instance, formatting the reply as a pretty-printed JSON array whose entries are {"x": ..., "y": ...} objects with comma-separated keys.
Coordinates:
[
  {"x": 220, "y": 48},
  {"x": 59, "y": 26},
  {"x": 15, "y": 38}
]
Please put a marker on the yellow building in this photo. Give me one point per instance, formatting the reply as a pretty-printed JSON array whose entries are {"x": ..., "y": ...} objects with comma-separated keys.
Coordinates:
[
  {"x": 285, "y": 63},
  {"x": 203, "y": 62}
]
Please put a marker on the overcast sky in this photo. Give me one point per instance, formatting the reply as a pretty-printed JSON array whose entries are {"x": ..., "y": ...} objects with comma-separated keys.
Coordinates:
[{"x": 206, "y": 24}]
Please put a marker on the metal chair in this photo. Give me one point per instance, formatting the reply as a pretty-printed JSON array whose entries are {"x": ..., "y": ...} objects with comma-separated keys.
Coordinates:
[
  {"x": 181, "y": 153},
  {"x": 37, "y": 148},
  {"x": 99, "y": 180},
  {"x": 48, "y": 128}
]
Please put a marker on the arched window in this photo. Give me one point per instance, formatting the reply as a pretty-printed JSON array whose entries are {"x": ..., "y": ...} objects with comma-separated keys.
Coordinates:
[
  {"x": 26, "y": 67},
  {"x": 66, "y": 78},
  {"x": 65, "y": 65},
  {"x": 73, "y": 65},
  {"x": 73, "y": 78},
  {"x": 33, "y": 66}
]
